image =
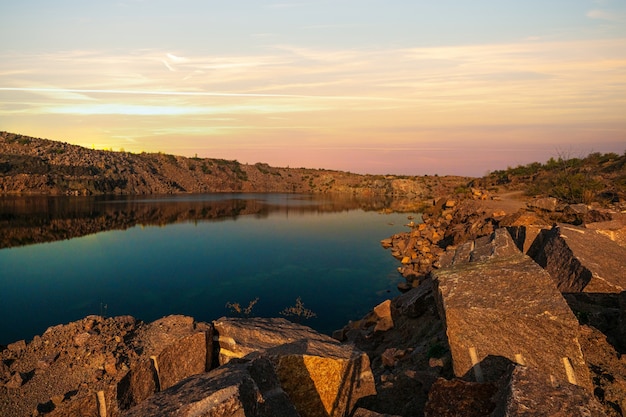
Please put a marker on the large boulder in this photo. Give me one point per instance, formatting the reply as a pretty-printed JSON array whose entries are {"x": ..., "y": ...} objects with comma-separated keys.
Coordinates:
[
  {"x": 528, "y": 393},
  {"x": 321, "y": 376},
  {"x": 545, "y": 203},
  {"x": 233, "y": 390},
  {"x": 524, "y": 226},
  {"x": 493, "y": 290},
  {"x": 580, "y": 259},
  {"x": 238, "y": 337},
  {"x": 172, "y": 349}
]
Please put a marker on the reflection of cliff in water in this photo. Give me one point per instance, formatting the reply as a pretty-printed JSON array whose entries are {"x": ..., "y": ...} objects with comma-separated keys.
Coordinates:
[{"x": 29, "y": 220}]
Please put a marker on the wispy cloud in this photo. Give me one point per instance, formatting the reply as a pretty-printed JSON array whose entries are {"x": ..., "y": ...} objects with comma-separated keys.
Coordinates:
[
  {"x": 611, "y": 16},
  {"x": 289, "y": 5},
  {"x": 358, "y": 95},
  {"x": 178, "y": 93}
]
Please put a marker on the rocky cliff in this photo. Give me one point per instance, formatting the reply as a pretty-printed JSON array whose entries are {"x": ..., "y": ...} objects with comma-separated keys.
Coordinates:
[{"x": 39, "y": 166}]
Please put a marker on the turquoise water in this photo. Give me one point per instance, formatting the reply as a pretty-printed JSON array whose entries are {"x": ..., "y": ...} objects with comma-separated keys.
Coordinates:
[{"x": 288, "y": 247}]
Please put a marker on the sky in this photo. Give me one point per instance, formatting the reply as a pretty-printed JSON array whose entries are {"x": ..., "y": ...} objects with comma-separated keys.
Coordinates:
[{"x": 447, "y": 87}]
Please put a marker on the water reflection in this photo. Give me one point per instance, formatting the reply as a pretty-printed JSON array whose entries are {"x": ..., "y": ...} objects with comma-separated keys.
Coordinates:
[
  {"x": 215, "y": 249},
  {"x": 39, "y": 219}
]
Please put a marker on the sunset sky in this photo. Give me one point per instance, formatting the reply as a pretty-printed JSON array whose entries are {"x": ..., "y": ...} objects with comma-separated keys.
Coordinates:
[{"x": 369, "y": 86}]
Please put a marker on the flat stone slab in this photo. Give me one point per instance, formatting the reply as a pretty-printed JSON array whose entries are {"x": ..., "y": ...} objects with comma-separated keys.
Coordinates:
[
  {"x": 238, "y": 337},
  {"x": 613, "y": 229},
  {"x": 321, "y": 376},
  {"x": 505, "y": 309},
  {"x": 581, "y": 259}
]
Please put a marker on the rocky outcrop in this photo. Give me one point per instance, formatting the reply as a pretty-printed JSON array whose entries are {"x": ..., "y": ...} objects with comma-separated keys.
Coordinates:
[
  {"x": 39, "y": 166},
  {"x": 580, "y": 259},
  {"x": 121, "y": 366},
  {"x": 493, "y": 289},
  {"x": 481, "y": 330},
  {"x": 101, "y": 366}
]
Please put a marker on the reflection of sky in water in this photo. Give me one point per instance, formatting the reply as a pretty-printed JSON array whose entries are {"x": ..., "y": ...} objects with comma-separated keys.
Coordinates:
[{"x": 334, "y": 261}]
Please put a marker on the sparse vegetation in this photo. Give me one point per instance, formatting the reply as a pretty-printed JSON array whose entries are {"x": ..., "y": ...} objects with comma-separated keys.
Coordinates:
[
  {"x": 238, "y": 310},
  {"x": 298, "y": 311},
  {"x": 206, "y": 169},
  {"x": 597, "y": 177},
  {"x": 263, "y": 168}
]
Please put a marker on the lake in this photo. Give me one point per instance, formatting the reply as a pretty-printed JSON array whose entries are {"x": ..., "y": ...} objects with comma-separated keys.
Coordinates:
[{"x": 62, "y": 258}]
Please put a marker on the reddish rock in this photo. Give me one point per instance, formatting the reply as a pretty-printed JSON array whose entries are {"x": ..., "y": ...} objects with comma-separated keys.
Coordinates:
[
  {"x": 531, "y": 394},
  {"x": 524, "y": 227},
  {"x": 460, "y": 398},
  {"x": 232, "y": 390},
  {"x": 613, "y": 229},
  {"x": 76, "y": 369},
  {"x": 415, "y": 302},
  {"x": 608, "y": 369},
  {"x": 384, "y": 320},
  {"x": 362, "y": 412},
  {"x": 15, "y": 381},
  {"x": 239, "y": 337},
  {"x": 321, "y": 376},
  {"x": 17, "y": 347}
]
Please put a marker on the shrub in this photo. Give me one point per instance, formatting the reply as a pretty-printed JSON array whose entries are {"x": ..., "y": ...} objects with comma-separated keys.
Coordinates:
[
  {"x": 236, "y": 308},
  {"x": 298, "y": 311}
]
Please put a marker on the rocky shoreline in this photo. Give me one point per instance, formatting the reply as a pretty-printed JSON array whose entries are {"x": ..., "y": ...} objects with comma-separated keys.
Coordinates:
[{"x": 508, "y": 309}]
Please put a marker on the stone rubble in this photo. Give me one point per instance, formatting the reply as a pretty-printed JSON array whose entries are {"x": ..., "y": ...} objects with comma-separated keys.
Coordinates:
[{"x": 480, "y": 329}]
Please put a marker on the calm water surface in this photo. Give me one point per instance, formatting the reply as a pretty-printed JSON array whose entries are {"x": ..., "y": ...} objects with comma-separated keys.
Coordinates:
[{"x": 191, "y": 255}]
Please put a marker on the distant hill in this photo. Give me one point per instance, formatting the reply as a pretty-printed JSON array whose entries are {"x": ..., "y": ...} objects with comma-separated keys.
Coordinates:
[{"x": 39, "y": 166}]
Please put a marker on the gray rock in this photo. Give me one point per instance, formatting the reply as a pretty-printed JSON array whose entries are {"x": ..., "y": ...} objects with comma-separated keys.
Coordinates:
[
  {"x": 580, "y": 259},
  {"x": 530, "y": 394},
  {"x": 499, "y": 243},
  {"x": 510, "y": 296},
  {"x": 414, "y": 302},
  {"x": 546, "y": 203}
]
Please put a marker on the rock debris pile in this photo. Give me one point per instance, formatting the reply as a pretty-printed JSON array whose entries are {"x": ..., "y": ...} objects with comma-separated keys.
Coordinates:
[{"x": 508, "y": 309}]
